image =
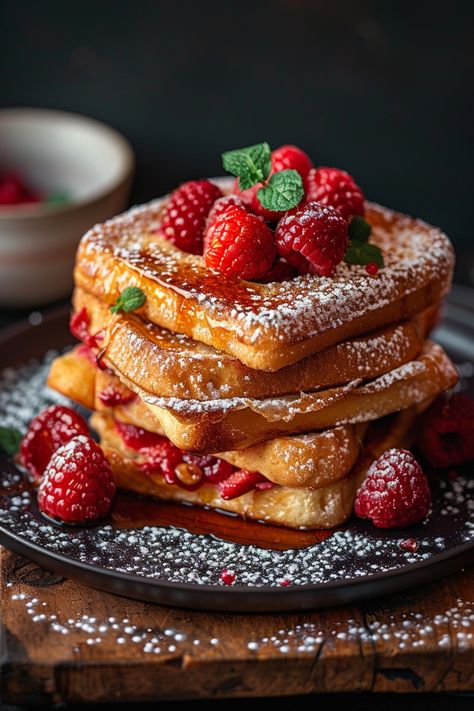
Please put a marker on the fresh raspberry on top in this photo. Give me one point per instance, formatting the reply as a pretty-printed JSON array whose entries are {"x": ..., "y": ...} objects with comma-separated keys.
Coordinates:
[
  {"x": 47, "y": 432},
  {"x": 184, "y": 216},
  {"x": 313, "y": 238},
  {"x": 291, "y": 157},
  {"x": 446, "y": 431},
  {"x": 336, "y": 188},
  {"x": 220, "y": 206},
  {"x": 395, "y": 491},
  {"x": 253, "y": 204},
  {"x": 240, "y": 244},
  {"x": 283, "y": 158},
  {"x": 78, "y": 486}
]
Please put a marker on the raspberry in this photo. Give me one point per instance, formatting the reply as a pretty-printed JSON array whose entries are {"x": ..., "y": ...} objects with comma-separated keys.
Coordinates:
[
  {"x": 336, "y": 188},
  {"x": 110, "y": 397},
  {"x": 159, "y": 454},
  {"x": 286, "y": 157},
  {"x": 280, "y": 271},
  {"x": 215, "y": 470},
  {"x": 411, "y": 545},
  {"x": 184, "y": 216},
  {"x": 446, "y": 431},
  {"x": 243, "y": 481},
  {"x": 13, "y": 191},
  {"x": 283, "y": 158},
  {"x": 395, "y": 491},
  {"x": 89, "y": 354},
  {"x": 227, "y": 577},
  {"x": 313, "y": 238},
  {"x": 240, "y": 244},
  {"x": 372, "y": 268},
  {"x": 79, "y": 325},
  {"x": 220, "y": 206},
  {"x": 78, "y": 486},
  {"x": 162, "y": 457},
  {"x": 47, "y": 432},
  {"x": 136, "y": 437},
  {"x": 253, "y": 204}
]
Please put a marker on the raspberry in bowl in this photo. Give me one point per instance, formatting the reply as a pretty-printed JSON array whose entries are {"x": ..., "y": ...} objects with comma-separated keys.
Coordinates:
[{"x": 45, "y": 154}]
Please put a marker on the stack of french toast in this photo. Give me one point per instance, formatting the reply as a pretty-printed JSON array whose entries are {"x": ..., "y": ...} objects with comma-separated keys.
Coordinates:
[{"x": 269, "y": 400}]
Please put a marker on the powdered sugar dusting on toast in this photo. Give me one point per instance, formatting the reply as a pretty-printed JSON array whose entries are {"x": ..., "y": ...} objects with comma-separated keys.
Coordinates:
[
  {"x": 416, "y": 255},
  {"x": 412, "y": 374}
]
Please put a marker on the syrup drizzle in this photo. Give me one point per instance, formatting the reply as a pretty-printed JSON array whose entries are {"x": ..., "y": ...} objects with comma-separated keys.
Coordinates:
[{"x": 133, "y": 511}]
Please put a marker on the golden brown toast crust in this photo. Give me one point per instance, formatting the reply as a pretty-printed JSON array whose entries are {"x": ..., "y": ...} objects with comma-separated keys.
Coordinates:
[
  {"x": 255, "y": 421},
  {"x": 326, "y": 507},
  {"x": 266, "y": 326},
  {"x": 171, "y": 365},
  {"x": 302, "y": 461},
  {"x": 310, "y": 461}
]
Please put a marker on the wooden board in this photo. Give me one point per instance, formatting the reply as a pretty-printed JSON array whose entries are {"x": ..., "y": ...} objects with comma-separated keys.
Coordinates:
[{"x": 62, "y": 642}]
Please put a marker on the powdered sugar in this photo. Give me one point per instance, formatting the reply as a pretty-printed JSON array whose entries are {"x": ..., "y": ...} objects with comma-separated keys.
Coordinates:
[
  {"x": 177, "y": 556},
  {"x": 305, "y": 637},
  {"x": 416, "y": 256}
]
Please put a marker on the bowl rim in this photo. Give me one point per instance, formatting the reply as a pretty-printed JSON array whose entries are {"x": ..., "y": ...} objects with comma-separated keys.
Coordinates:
[{"x": 125, "y": 174}]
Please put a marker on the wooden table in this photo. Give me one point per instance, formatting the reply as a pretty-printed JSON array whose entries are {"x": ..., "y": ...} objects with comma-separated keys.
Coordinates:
[{"x": 64, "y": 642}]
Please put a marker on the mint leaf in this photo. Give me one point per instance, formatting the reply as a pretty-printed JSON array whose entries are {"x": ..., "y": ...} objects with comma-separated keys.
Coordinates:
[
  {"x": 250, "y": 165},
  {"x": 359, "y": 229},
  {"x": 10, "y": 439},
  {"x": 364, "y": 253},
  {"x": 58, "y": 198},
  {"x": 130, "y": 299},
  {"x": 283, "y": 191}
]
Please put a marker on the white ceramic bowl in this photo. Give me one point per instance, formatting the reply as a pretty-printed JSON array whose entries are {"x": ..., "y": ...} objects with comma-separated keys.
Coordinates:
[{"x": 56, "y": 151}]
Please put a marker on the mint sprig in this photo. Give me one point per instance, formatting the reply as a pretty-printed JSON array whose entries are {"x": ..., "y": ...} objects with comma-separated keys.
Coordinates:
[
  {"x": 359, "y": 229},
  {"x": 131, "y": 299},
  {"x": 364, "y": 253},
  {"x": 250, "y": 165},
  {"x": 283, "y": 191},
  {"x": 360, "y": 251},
  {"x": 10, "y": 439}
]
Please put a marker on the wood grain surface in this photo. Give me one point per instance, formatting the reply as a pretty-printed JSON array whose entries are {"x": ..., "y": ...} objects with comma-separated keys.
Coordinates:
[{"x": 63, "y": 642}]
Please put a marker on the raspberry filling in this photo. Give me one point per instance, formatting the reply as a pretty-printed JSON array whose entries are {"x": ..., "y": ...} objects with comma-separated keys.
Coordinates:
[
  {"x": 110, "y": 397},
  {"x": 186, "y": 470},
  {"x": 79, "y": 325}
]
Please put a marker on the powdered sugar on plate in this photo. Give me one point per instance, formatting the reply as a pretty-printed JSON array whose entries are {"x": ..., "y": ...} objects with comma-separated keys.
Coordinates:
[{"x": 172, "y": 555}]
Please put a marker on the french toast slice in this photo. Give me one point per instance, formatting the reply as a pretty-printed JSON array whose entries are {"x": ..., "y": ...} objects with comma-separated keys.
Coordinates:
[
  {"x": 224, "y": 425},
  {"x": 265, "y": 326},
  {"x": 221, "y": 425},
  {"x": 171, "y": 365},
  {"x": 326, "y": 507},
  {"x": 310, "y": 460}
]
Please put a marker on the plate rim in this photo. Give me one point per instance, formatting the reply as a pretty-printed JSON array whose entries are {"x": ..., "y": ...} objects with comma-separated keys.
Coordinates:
[{"x": 226, "y": 596}]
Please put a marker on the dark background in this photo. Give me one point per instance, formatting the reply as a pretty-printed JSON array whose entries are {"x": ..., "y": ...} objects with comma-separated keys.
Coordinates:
[{"x": 382, "y": 89}]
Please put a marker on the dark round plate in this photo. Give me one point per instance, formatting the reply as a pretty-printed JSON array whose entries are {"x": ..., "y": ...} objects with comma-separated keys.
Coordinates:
[{"x": 172, "y": 566}]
